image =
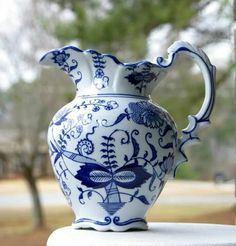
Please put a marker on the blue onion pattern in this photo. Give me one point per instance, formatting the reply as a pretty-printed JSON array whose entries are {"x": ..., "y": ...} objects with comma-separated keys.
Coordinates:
[
  {"x": 111, "y": 148},
  {"x": 137, "y": 168},
  {"x": 146, "y": 113}
]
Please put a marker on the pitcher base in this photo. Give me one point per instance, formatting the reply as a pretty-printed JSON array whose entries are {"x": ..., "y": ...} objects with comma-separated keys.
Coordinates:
[{"x": 111, "y": 224}]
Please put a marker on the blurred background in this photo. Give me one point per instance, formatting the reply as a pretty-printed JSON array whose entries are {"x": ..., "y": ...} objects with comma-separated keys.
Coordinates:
[{"x": 31, "y": 205}]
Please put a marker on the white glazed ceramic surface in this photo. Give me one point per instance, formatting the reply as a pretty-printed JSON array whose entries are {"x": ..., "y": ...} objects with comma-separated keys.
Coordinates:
[{"x": 112, "y": 149}]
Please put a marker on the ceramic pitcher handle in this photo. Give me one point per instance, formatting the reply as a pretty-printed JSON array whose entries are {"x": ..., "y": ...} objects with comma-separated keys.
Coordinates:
[{"x": 190, "y": 133}]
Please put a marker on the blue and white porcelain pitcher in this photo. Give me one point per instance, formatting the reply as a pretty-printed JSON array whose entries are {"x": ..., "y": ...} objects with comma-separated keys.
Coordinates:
[{"x": 112, "y": 148}]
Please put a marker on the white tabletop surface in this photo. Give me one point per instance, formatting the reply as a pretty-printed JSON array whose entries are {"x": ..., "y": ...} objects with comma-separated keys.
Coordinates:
[{"x": 160, "y": 234}]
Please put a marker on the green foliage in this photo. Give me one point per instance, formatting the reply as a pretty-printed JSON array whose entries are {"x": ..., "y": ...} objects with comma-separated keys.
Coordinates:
[
  {"x": 123, "y": 26},
  {"x": 181, "y": 92},
  {"x": 224, "y": 115},
  {"x": 186, "y": 171}
]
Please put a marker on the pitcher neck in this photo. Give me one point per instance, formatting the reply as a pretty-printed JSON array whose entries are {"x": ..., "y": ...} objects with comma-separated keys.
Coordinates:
[
  {"x": 95, "y": 73},
  {"x": 118, "y": 87},
  {"x": 109, "y": 95}
]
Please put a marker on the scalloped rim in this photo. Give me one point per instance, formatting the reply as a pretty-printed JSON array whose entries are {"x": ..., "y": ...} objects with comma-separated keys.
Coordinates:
[
  {"x": 114, "y": 58},
  {"x": 111, "y": 227}
]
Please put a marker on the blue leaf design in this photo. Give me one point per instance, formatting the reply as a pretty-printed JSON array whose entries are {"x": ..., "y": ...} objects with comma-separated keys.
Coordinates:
[
  {"x": 108, "y": 138},
  {"x": 136, "y": 192},
  {"x": 139, "y": 177},
  {"x": 53, "y": 146},
  {"x": 104, "y": 156},
  {"x": 57, "y": 157},
  {"x": 80, "y": 189},
  {"x": 89, "y": 194},
  {"x": 166, "y": 146},
  {"x": 113, "y": 162},
  {"x": 126, "y": 176},
  {"x": 103, "y": 150},
  {"x": 131, "y": 199},
  {"x": 135, "y": 146},
  {"x": 154, "y": 152},
  {"x": 143, "y": 199},
  {"x": 99, "y": 176},
  {"x": 114, "y": 166},
  {"x": 87, "y": 176},
  {"x": 60, "y": 165},
  {"x": 126, "y": 159},
  {"x": 73, "y": 67},
  {"x": 119, "y": 118},
  {"x": 167, "y": 128},
  {"x": 151, "y": 187},
  {"x": 111, "y": 145},
  {"x": 77, "y": 80},
  {"x": 153, "y": 149},
  {"x": 81, "y": 196},
  {"x": 62, "y": 118},
  {"x": 145, "y": 154},
  {"x": 104, "y": 144}
]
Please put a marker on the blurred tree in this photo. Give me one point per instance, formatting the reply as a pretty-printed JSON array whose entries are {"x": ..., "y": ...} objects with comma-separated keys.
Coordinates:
[
  {"x": 123, "y": 26},
  {"x": 28, "y": 116},
  {"x": 30, "y": 107}
]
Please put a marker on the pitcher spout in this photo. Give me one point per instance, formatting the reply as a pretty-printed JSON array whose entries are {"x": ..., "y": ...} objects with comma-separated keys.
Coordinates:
[
  {"x": 56, "y": 57},
  {"x": 66, "y": 59}
]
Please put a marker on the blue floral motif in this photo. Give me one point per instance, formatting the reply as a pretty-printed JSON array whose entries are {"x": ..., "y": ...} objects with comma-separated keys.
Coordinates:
[
  {"x": 98, "y": 104},
  {"x": 67, "y": 65},
  {"x": 146, "y": 113},
  {"x": 60, "y": 57},
  {"x": 100, "y": 79},
  {"x": 141, "y": 78},
  {"x": 99, "y": 73},
  {"x": 85, "y": 118}
]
